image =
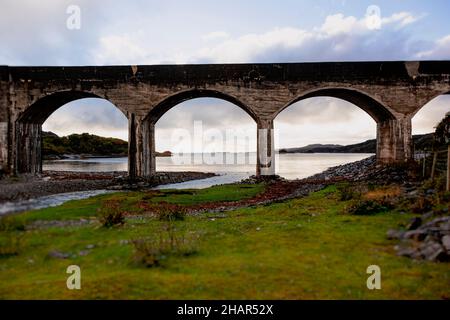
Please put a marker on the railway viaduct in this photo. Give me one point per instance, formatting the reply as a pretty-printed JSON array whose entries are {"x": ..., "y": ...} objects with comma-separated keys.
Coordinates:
[{"x": 390, "y": 92}]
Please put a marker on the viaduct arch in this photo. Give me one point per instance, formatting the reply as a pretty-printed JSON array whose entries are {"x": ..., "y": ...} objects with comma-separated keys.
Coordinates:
[
  {"x": 28, "y": 127},
  {"x": 391, "y": 92}
]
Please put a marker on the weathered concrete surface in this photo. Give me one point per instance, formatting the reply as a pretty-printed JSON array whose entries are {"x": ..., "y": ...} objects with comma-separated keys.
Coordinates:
[{"x": 391, "y": 92}]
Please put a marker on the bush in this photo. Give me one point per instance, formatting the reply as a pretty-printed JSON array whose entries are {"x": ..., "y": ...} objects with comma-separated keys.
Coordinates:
[
  {"x": 422, "y": 204},
  {"x": 367, "y": 207},
  {"x": 345, "y": 191},
  {"x": 147, "y": 252},
  {"x": 445, "y": 197},
  {"x": 171, "y": 212},
  {"x": 438, "y": 184},
  {"x": 11, "y": 245},
  {"x": 12, "y": 223},
  {"x": 150, "y": 252},
  {"x": 111, "y": 214}
]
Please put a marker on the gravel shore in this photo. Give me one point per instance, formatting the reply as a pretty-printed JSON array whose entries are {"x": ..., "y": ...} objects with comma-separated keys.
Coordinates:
[{"x": 53, "y": 182}]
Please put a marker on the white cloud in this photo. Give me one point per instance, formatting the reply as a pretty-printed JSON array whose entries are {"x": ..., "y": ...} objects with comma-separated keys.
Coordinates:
[
  {"x": 401, "y": 19},
  {"x": 323, "y": 120},
  {"x": 132, "y": 48},
  {"x": 88, "y": 115},
  {"x": 213, "y": 114},
  {"x": 245, "y": 48},
  {"x": 216, "y": 35},
  {"x": 431, "y": 114},
  {"x": 338, "y": 23},
  {"x": 338, "y": 38},
  {"x": 440, "y": 50},
  {"x": 118, "y": 49}
]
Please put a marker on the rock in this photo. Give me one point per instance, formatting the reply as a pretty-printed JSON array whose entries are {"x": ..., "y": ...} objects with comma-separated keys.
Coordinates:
[
  {"x": 439, "y": 255},
  {"x": 435, "y": 231},
  {"x": 406, "y": 252},
  {"x": 444, "y": 233},
  {"x": 412, "y": 194},
  {"x": 394, "y": 234},
  {"x": 435, "y": 222},
  {"x": 90, "y": 246},
  {"x": 446, "y": 243},
  {"x": 445, "y": 226},
  {"x": 58, "y": 255},
  {"x": 431, "y": 238},
  {"x": 414, "y": 223},
  {"x": 430, "y": 241},
  {"x": 428, "y": 215},
  {"x": 417, "y": 235},
  {"x": 433, "y": 251}
]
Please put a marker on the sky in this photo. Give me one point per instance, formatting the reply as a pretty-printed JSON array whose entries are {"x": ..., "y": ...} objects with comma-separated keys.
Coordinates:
[{"x": 205, "y": 31}]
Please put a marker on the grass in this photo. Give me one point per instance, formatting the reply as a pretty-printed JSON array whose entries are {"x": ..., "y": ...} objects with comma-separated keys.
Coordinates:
[
  {"x": 305, "y": 248},
  {"x": 87, "y": 208}
]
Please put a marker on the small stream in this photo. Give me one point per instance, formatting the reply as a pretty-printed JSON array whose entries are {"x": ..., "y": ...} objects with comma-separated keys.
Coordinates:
[
  {"x": 60, "y": 198},
  {"x": 47, "y": 201}
]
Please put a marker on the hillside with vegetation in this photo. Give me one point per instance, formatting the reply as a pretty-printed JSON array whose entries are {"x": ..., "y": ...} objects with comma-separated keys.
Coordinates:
[
  {"x": 82, "y": 144},
  {"x": 85, "y": 144},
  {"x": 421, "y": 142}
]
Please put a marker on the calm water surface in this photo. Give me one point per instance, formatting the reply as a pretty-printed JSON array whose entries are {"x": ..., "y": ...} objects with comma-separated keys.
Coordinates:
[{"x": 290, "y": 166}]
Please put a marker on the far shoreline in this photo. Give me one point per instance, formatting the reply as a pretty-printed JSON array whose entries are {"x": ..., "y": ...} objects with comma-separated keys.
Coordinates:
[{"x": 94, "y": 156}]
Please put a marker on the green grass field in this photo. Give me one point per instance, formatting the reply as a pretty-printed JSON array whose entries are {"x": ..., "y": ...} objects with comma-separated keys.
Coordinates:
[{"x": 306, "y": 248}]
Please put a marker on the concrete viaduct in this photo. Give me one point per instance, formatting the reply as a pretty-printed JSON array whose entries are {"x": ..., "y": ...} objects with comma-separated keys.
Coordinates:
[{"x": 390, "y": 92}]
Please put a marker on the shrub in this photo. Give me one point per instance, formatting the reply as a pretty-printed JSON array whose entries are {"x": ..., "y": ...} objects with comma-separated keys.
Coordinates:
[
  {"x": 111, "y": 214},
  {"x": 345, "y": 191},
  {"x": 150, "y": 252},
  {"x": 11, "y": 244},
  {"x": 445, "y": 197},
  {"x": 441, "y": 183},
  {"x": 171, "y": 212},
  {"x": 422, "y": 204},
  {"x": 12, "y": 223},
  {"x": 438, "y": 184},
  {"x": 371, "y": 186},
  {"x": 147, "y": 252},
  {"x": 367, "y": 207}
]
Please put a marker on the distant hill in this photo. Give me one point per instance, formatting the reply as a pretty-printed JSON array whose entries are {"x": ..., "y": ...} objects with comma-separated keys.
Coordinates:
[
  {"x": 85, "y": 144},
  {"x": 421, "y": 142}
]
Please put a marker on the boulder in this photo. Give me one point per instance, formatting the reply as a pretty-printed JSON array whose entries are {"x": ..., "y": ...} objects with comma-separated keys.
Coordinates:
[
  {"x": 417, "y": 235},
  {"x": 406, "y": 252},
  {"x": 446, "y": 243},
  {"x": 433, "y": 251},
  {"x": 394, "y": 234},
  {"x": 59, "y": 255},
  {"x": 414, "y": 223}
]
